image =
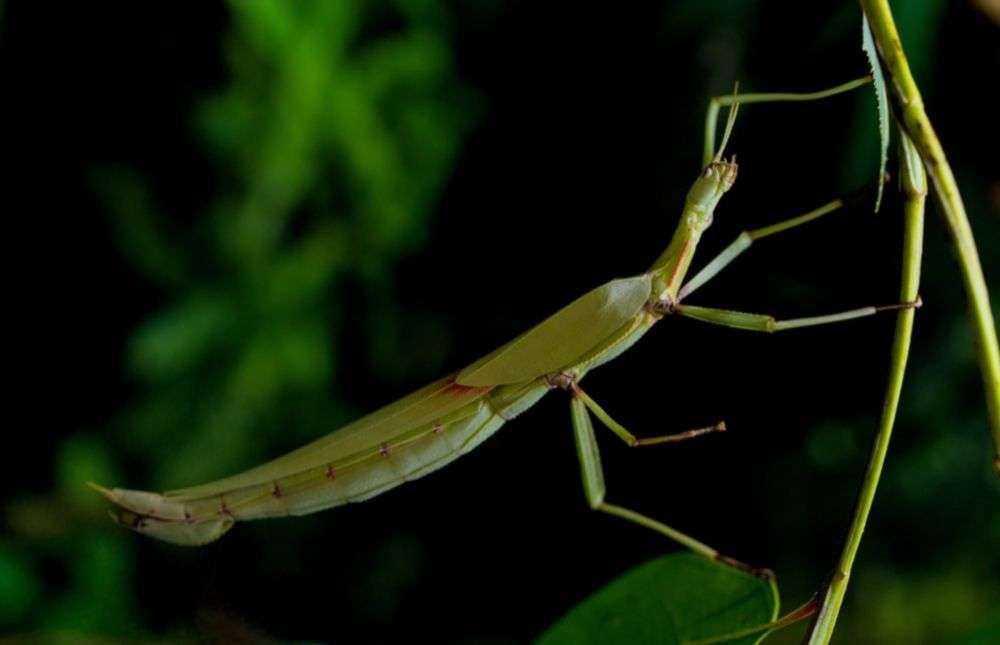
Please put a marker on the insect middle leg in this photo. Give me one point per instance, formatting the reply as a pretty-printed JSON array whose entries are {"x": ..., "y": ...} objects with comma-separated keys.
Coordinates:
[
  {"x": 629, "y": 438},
  {"x": 770, "y": 324},
  {"x": 594, "y": 489}
]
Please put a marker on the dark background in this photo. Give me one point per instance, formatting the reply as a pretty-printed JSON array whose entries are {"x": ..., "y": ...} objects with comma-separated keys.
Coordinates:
[{"x": 246, "y": 224}]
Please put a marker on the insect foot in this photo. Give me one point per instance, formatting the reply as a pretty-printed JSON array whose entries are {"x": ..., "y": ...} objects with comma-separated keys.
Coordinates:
[
  {"x": 913, "y": 304},
  {"x": 763, "y": 573}
]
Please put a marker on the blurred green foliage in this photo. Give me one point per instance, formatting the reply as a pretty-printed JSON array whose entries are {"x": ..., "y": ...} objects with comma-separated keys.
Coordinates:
[
  {"x": 333, "y": 136},
  {"x": 332, "y": 146},
  {"x": 281, "y": 304}
]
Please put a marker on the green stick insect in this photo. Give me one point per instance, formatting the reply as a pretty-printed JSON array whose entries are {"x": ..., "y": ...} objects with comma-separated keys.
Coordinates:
[{"x": 435, "y": 425}]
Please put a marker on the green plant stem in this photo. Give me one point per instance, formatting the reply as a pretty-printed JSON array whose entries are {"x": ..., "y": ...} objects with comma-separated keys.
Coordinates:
[
  {"x": 915, "y": 193},
  {"x": 918, "y": 126}
]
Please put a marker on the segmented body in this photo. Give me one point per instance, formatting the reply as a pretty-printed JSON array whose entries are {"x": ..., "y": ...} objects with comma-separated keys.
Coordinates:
[
  {"x": 407, "y": 439},
  {"x": 435, "y": 425}
]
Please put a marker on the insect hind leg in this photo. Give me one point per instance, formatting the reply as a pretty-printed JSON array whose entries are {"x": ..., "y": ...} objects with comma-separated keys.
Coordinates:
[{"x": 594, "y": 488}]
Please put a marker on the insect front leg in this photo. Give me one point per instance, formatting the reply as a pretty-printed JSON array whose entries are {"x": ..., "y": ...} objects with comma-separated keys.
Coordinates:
[
  {"x": 594, "y": 489},
  {"x": 717, "y": 102},
  {"x": 745, "y": 239}
]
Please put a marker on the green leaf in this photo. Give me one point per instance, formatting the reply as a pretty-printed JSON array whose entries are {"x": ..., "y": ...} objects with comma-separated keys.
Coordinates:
[
  {"x": 882, "y": 99},
  {"x": 673, "y": 599}
]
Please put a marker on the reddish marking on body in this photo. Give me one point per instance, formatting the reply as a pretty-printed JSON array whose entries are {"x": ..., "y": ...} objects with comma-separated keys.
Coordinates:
[
  {"x": 187, "y": 517},
  {"x": 457, "y": 389},
  {"x": 384, "y": 450},
  {"x": 331, "y": 472},
  {"x": 680, "y": 261},
  {"x": 438, "y": 428},
  {"x": 275, "y": 490}
]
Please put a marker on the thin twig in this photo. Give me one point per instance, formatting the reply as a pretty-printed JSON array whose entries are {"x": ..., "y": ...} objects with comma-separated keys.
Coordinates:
[{"x": 914, "y": 186}]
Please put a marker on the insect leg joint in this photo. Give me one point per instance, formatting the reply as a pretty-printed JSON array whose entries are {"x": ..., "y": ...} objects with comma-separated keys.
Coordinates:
[{"x": 562, "y": 380}]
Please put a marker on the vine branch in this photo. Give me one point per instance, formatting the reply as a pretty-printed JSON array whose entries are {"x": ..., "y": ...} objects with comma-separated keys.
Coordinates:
[
  {"x": 918, "y": 126},
  {"x": 920, "y": 151}
]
